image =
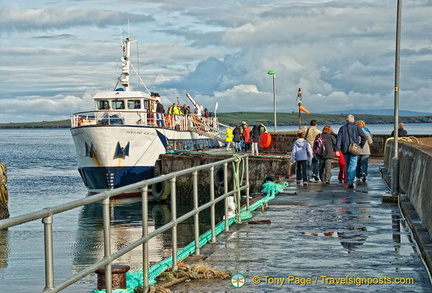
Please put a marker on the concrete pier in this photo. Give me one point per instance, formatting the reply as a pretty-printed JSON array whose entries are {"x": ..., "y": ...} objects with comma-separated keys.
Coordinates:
[{"x": 326, "y": 238}]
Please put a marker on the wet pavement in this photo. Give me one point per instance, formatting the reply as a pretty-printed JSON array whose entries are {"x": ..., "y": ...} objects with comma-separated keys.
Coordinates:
[{"x": 325, "y": 238}]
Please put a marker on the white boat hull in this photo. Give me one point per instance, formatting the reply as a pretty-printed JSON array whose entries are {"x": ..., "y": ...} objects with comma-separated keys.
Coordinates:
[{"x": 111, "y": 156}]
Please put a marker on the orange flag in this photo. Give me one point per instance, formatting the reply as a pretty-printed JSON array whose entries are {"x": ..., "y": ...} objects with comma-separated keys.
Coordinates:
[{"x": 304, "y": 110}]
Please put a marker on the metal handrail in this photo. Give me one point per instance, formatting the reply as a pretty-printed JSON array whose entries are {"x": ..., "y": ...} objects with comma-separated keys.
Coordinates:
[{"x": 47, "y": 216}]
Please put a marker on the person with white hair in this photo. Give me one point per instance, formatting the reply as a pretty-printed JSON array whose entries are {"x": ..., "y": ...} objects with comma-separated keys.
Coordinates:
[
  {"x": 401, "y": 131},
  {"x": 350, "y": 133}
]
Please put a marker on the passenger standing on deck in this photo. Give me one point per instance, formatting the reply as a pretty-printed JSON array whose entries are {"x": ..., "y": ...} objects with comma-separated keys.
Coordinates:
[
  {"x": 363, "y": 161},
  {"x": 350, "y": 133},
  {"x": 327, "y": 155},
  {"x": 255, "y": 134},
  {"x": 228, "y": 137},
  {"x": 237, "y": 138},
  {"x": 246, "y": 137},
  {"x": 301, "y": 152},
  {"x": 160, "y": 114},
  {"x": 309, "y": 133}
]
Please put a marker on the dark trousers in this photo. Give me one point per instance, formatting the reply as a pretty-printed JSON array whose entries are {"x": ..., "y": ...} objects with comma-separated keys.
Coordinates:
[{"x": 301, "y": 170}]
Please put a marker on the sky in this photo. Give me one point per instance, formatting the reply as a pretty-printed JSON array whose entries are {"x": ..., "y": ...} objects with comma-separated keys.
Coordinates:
[{"x": 55, "y": 55}]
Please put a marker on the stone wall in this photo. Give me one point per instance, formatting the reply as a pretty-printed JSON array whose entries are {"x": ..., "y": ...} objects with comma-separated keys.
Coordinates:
[
  {"x": 259, "y": 168},
  {"x": 415, "y": 173}
]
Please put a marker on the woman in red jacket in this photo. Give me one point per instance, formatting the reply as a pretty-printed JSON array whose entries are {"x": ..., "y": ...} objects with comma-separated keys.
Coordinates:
[{"x": 246, "y": 136}]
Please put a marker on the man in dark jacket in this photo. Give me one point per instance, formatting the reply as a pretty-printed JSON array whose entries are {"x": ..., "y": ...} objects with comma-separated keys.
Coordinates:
[
  {"x": 350, "y": 133},
  {"x": 237, "y": 133},
  {"x": 401, "y": 131}
]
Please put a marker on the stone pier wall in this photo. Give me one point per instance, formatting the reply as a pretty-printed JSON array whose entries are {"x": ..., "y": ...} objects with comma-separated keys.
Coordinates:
[
  {"x": 259, "y": 169},
  {"x": 415, "y": 173}
]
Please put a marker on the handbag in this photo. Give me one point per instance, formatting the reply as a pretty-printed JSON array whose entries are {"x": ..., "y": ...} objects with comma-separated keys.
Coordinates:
[{"x": 353, "y": 148}]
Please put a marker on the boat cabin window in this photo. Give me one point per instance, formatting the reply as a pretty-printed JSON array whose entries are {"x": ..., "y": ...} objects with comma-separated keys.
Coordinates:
[
  {"x": 102, "y": 105},
  {"x": 118, "y": 104},
  {"x": 146, "y": 104},
  {"x": 134, "y": 104}
]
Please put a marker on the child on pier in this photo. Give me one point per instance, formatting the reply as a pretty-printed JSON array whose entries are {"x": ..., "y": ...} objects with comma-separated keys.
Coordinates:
[
  {"x": 342, "y": 176},
  {"x": 301, "y": 153}
]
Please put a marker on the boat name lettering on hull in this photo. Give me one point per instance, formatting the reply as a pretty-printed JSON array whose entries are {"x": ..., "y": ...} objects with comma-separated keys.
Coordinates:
[{"x": 140, "y": 132}]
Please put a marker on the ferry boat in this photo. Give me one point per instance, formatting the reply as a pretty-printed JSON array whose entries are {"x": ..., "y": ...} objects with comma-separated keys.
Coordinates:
[{"x": 119, "y": 142}]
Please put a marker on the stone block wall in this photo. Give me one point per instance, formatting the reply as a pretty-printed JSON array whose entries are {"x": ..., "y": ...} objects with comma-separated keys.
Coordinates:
[{"x": 415, "y": 173}]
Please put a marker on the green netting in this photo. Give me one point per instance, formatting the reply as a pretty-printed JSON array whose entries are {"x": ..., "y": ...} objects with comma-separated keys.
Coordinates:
[{"x": 135, "y": 279}]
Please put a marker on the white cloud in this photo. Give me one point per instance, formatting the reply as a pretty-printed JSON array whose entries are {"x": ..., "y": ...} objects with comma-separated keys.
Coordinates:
[{"x": 341, "y": 53}]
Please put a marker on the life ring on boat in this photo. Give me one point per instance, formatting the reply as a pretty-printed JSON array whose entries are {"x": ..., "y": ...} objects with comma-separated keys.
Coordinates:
[
  {"x": 161, "y": 190},
  {"x": 219, "y": 176},
  {"x": 265, "y": 140}
]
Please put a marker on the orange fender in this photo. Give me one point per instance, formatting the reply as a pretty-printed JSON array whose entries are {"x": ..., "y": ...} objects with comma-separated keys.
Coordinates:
[{"x": 265, "y": 140}]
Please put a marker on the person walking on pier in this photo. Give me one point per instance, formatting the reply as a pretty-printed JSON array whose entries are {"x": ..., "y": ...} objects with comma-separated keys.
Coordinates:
[
  {"x": 350, "y": 133},
  {"x": 342, "y": 175},
  {"x": 246, "y": 137},
  {"x": 228, "y": 137},
  {"x": 300, "y": 154},
  {"x": 310, "y": 133},
  {"x": 327, "y": 154},
  {"x": 255, "y": 134},
  {"x": 363, "y": 161},
  {"x": 237, "y": 138}
]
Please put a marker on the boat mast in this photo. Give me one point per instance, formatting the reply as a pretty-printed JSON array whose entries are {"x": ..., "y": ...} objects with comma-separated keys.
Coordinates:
[{"x": 124, "y": 78}]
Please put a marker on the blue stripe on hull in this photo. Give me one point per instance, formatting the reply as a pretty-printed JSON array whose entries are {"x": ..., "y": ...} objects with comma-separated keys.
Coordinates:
[{"x": 98, "y": 178}]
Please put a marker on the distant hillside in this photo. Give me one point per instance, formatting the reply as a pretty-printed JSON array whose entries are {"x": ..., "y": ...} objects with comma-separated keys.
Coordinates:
[
  {"x": 283, "y": 119},
  {"x": 387, "y": 112}
]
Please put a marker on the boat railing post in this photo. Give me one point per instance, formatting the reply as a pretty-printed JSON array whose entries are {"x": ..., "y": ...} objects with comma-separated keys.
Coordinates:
[
  {"x": 49, "y": 263},
  {"x": 212, "y": 209},
  {"x": 196, "y": 216},
  {"x": 107, "y": 243},
  {"x": 145, "y": 252},
  {"x": 174, "y": 218},
  {"x": 225, "y": 194}
]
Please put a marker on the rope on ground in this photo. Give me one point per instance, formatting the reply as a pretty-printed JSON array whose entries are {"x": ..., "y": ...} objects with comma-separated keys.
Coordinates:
[{"x": 273, "y": 187}]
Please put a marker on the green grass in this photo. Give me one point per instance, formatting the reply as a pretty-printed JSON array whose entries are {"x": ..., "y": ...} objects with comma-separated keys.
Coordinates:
[{"x": 253, "y": 118}]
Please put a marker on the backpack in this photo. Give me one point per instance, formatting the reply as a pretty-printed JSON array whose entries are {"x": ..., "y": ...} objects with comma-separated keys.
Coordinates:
[{"x": 318, "y": 146}]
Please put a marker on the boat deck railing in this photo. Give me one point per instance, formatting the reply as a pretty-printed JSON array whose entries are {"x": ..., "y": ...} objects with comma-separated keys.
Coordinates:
[
  {"x": 207, "y": 126},
  {"x": 48, "y": 215}
]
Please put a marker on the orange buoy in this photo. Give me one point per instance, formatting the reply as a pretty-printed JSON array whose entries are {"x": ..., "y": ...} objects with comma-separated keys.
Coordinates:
[{"x": 265, "y": 140}]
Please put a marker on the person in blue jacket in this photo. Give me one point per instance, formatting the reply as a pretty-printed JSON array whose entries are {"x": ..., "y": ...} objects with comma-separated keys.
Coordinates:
[{"x": 350, "y": 133}]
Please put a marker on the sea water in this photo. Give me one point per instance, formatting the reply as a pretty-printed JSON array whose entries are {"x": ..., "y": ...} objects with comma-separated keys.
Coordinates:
[{"x": 43, "y": 172}]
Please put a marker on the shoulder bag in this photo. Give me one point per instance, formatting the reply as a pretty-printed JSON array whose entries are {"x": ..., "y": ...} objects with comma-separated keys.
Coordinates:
[{"x": 353, "y": 148}]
